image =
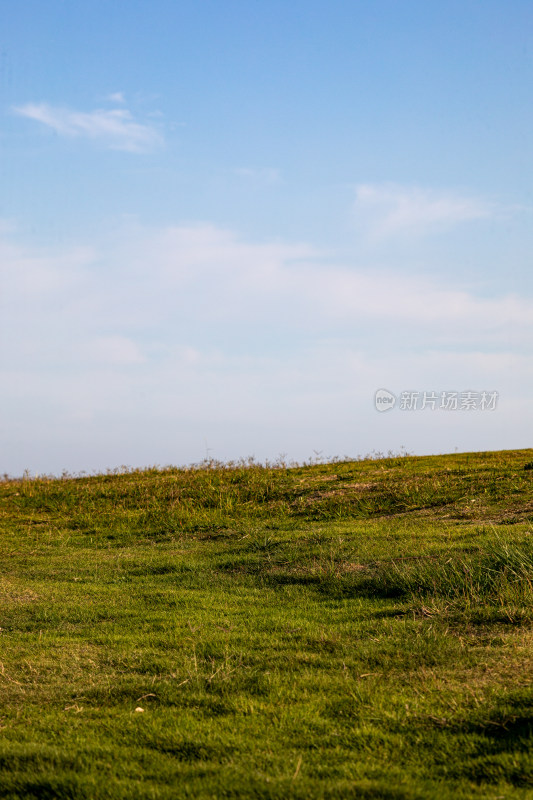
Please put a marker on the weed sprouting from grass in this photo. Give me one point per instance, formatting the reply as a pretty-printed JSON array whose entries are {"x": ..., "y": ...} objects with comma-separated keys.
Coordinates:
[{"x": 500, "y": 575}]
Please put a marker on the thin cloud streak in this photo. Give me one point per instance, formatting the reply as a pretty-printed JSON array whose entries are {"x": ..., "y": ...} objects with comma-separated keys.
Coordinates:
[
  {"x": 117, "y": 97},
  {"x": 115, "y": 128},
  {"x": 389, "y": 210}
]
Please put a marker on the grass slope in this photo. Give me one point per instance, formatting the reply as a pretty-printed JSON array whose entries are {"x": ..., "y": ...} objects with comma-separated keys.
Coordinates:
[{"x": 346, "y": 630}]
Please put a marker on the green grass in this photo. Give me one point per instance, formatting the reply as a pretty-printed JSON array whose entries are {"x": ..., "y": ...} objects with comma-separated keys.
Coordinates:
[{"x": 358, "y": 629}]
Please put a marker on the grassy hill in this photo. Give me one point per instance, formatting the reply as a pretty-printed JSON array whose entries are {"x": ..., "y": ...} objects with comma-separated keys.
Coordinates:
[{"x": 356, "y": 629}]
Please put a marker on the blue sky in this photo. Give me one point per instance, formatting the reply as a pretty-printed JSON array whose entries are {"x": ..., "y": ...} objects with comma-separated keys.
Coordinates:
[{"x": 225, "y": 225}]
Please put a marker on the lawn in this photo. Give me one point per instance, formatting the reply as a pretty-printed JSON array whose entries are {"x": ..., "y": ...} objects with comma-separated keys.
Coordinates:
[{"x": 354, "y": 629}]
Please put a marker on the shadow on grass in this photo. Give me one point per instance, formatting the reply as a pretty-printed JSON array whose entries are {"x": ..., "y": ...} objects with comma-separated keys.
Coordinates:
[
  {"x": 334, "y": 587},
  {"x": 509, "y": 724},
  {"x": 501, "y": 740},
  {"x": 515, "y": 732},
  {"x": 188, "y": 750}
]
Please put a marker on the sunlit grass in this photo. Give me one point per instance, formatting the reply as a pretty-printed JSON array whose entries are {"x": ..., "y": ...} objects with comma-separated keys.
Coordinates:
[{"x": 356, "y": 629}]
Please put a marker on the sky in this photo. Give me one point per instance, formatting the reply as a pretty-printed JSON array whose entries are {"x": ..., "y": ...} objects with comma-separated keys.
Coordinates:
[{"x": 230, "y": 228}]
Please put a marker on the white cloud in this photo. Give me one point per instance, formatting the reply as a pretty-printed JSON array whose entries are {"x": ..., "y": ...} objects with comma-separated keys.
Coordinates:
[
  {"x": 116, "y": 97},
  {"x": 390, "y": 210},
  {"x": 445, "y": 311},
  {"x": 115, "y": 128},
  {"x": 163, "y": 282},
  {"x": 136, "y": 350}
]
